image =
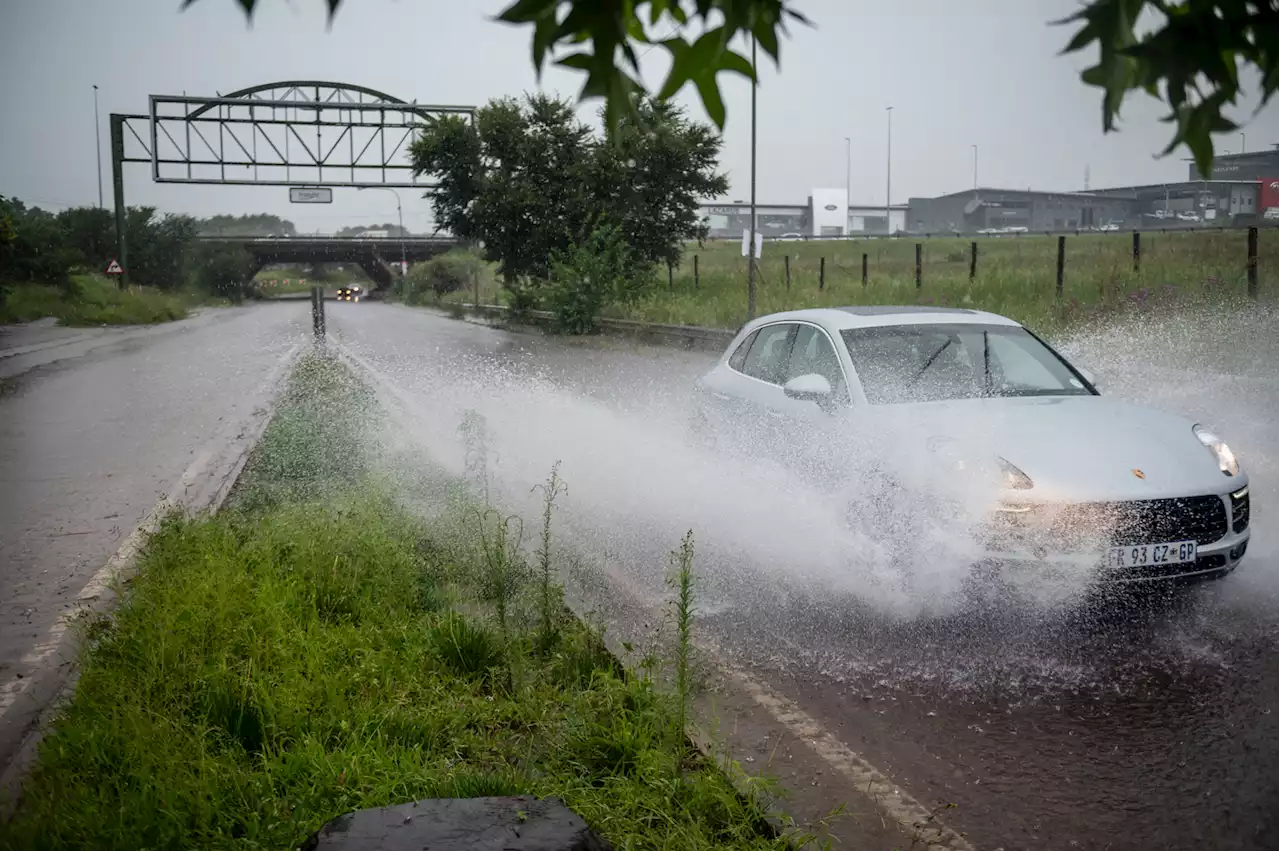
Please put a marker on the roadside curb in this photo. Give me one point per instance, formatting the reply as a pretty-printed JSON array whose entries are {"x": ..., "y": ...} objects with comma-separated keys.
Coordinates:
[
  {"x": 202, "y": 488},
  {"x": 692, "y": 337}
]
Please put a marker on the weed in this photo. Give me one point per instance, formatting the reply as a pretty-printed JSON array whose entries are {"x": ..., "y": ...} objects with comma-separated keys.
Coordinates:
[
  {"x": 681, "y": 580},
  {"x": 550, "y": 598},
  {"x": 503, "y": 571}
]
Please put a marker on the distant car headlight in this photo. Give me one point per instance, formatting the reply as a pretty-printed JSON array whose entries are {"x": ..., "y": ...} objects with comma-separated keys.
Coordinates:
[
  {"x": 1013, "y": 478},
  {"x": 1227, "y": 462}
]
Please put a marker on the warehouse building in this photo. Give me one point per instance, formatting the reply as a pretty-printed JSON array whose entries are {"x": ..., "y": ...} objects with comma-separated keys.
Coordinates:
[{"x": 980, "y": 210}]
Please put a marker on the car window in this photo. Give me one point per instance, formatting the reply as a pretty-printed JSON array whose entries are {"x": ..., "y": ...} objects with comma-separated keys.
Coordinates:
[
  {"x": 922, "y": 363},
  {"x": 739, "y": 356},
  {"x": 812, "y": 353},
  {"x": 1017, "y": 368},
  {"x": 767, "y": 358}
]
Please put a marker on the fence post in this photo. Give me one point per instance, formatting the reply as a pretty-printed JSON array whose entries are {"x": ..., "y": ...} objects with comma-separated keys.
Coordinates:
[
  {"x": 864, "y": 269},
  {"x": 1253, "y": 263},
  {"x": 695, "y": 271},
  {"x": 1137, "y": 250},
  {"x": 317, "y": 313},
  {"x": 973, "y": 260},
  {"x": 1062, "y": 256},
  {"x": 670, "y": 278},
  {"x": 822, "y": 273},
  {"x": 786, "y": 262},
  {"x": 918, "y": 265}
]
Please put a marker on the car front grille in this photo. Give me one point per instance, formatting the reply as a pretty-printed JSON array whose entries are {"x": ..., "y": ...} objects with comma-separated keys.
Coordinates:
[
  {"x": 1202, "y": 519},
  {"x": 1240, "y": 510}
]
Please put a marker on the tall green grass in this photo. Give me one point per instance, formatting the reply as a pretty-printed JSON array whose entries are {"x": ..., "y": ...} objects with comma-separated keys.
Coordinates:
[
  {"x": 93, "y": 300},
  {"x": 1015, "y": 276},
  {"x": 315, "y": 650}
]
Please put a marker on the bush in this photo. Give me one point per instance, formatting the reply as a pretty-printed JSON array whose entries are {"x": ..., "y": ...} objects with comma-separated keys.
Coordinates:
[
  {"x": 452, "y": 271},
  {"x": 590, "y": 276}
]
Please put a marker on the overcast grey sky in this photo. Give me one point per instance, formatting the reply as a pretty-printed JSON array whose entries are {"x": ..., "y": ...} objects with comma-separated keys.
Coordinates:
[{"x": 957, "y": 72}]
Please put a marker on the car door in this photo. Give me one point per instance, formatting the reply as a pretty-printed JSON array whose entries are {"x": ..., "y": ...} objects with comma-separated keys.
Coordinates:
[
  {"x": 809, "y": 434},
  {"x": 748, "y": 394}
]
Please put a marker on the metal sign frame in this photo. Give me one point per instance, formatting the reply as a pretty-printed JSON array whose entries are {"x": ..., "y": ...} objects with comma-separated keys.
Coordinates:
[{"x": 299, "y": 132}]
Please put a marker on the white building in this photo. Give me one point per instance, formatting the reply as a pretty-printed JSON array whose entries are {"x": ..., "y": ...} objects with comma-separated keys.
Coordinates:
[{"x": 820, "y": 215}]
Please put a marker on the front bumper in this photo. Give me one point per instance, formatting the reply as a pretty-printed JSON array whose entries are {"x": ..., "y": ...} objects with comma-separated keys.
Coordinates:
[{"x": 1038, "y": 548}]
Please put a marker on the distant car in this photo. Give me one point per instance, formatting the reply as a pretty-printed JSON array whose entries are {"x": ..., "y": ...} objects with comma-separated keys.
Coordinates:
[
  {"x": 862, "y": 399},
  {"x": 1188, "y": 217},
  {"x": 1272, "y": 214},
  {"x": 351, "y": 293},
  {"x": 790, "y": 237}
]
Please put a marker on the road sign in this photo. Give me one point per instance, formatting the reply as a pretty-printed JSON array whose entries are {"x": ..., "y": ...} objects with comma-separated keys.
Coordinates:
[
  {"x": 114, "y": 268},
  {"x": 310, "y": 195},
  {"x": 746, "y": 241}
]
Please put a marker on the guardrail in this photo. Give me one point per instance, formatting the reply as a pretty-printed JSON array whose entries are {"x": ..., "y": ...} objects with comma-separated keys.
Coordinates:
[{"x": 683, "y": 336}]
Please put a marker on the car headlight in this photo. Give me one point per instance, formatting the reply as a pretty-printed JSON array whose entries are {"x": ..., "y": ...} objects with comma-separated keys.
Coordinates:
[
  {"x": 1227, "y": 462},
  {"x": 1013, "y": 478}
]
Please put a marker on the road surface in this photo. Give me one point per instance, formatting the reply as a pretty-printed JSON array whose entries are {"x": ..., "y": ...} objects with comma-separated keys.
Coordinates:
[
  {"x": 1130, "y": 724},
  {"x": 96, "y": 425}
]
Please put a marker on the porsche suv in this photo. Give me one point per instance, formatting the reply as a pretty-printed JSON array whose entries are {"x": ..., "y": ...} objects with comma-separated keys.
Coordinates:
[{"x": 1127, "y": 493}]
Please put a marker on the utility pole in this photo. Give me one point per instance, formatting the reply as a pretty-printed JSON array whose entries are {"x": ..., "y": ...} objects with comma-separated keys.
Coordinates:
[
  {"x": 1242, "y": 143},
  {"x": 751, "y": 244},
  {"x": 97, "y": 140},
  {"x": 888, "y": 174}
]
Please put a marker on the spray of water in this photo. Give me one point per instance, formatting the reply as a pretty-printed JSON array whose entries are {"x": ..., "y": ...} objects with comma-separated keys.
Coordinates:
[{"x": 839, "y": 573}]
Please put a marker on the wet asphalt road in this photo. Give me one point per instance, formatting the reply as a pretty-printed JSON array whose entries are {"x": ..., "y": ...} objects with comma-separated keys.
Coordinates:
[
  {"x": 1126, "y": 723},
  {"x": 96, "y": 425}
]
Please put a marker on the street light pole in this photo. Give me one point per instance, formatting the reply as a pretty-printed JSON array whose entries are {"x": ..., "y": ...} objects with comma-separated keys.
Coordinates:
[
  {"x": 1242, "y": 143},
  {"x": 975, "y": 167},
  {"x": 97, "y": 139},
  {"x": 888, "y": 173},
  {"x": 848, "y": 169},
  {"x": 404, "y": 268},
  {"x": 751, "y": 245}
]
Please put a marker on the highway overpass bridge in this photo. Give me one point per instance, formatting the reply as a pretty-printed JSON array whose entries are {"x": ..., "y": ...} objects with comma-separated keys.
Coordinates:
[{"x": 374, "y": 255}]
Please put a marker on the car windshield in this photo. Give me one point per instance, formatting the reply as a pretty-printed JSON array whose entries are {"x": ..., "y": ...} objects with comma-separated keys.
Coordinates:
[{"x": 936, "y": 362}]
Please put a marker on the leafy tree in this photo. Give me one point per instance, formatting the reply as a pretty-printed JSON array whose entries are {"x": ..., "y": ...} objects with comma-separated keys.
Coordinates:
[
  {"x": 90, "y": 233},
  {"x": 222, "y": 270},
  {"x": 651, "y": 179},
  {"x": 156, "y": 246},
  {"x": 356, "y": 230},
  {"x": 531, "y": 182},
  {"x": 1192, "y": 59},
  {"x": 250, "y": 224},
  {"x": 516, "y": 179}
]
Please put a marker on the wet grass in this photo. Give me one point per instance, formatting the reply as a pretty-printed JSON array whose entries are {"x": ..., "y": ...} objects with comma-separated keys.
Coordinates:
[
  {"x": 1015, "y": 276},
  {"x": 316, "y": 649},
  {"x": 92, "y": 300}
]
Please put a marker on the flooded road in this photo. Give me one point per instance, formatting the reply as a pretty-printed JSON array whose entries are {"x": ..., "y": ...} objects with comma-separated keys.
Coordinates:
[
  {"x": 95, "y": 427},
  {"x": 1131, "y": 722}
]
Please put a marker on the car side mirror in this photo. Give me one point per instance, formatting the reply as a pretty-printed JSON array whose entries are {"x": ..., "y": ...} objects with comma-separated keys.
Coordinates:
[{"x": 809, "y": 388}]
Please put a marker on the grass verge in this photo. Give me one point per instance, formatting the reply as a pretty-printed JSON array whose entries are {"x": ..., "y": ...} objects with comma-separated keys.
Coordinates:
[
  {"x": 92, "y": 300},
  {"x": 315, "y": 649}
]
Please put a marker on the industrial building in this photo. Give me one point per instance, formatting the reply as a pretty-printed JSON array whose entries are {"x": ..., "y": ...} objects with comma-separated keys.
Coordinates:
[
  {"x": 1240, "y": 191},
  {"x": 819, "y": 216}
]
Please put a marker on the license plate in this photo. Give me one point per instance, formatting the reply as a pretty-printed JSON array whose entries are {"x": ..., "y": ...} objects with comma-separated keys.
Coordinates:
[{"x": 1149, "y": 555}]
